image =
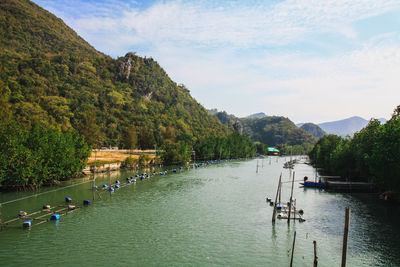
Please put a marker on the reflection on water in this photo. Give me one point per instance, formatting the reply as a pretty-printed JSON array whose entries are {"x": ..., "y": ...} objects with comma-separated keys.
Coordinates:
[{"x": 214, "y": 216}]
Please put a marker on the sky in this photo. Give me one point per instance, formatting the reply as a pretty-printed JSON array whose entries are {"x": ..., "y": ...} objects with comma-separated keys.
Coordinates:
[{"x": 308, "y": 60}]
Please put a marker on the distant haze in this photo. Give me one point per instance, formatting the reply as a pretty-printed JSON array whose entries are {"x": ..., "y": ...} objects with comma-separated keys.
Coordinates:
[{"x": 344, "y": 127}]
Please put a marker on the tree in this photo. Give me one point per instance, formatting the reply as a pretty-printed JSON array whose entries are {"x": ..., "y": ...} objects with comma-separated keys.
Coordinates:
[
  {"x": 39, "y": 155},
  {"x": 175, "y": 153},
  {"x": 129, "y": 137},
  {"x": 89, "y": 129},
  {"x": 261, "y": 148},
  {"x": 146, "y": 139}
]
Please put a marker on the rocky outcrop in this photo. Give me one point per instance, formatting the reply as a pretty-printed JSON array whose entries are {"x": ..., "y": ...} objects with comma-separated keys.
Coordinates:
[{"x": 125, "y": 68}]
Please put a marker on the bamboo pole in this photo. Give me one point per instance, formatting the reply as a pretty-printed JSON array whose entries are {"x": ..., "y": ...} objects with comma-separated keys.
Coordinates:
[
  {"x": 41, "y": 222},
  {"x": 294, "y": 208},
  {"x": 94, "y": 186},
  {"x": 315, "y": 254},
  {"x": 294, "y": 242},
  {"x": 280, "y": 191},
  {"x": 345, "y": 235},
  {"x": 257, "y": 167},
  {"x": 276, "y": 198},
  {"x": 291, "y": 199},
  {"x": 110, "y": 184},
  {"x": 94, "y": 173},
  {"x": 27, "y": 216}
]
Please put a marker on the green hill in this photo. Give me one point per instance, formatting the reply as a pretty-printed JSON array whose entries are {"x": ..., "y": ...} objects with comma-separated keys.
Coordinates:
[
  {"x": 275, "y": 130},
  {"x": 50, "y": 75},
  {"x": 313, "y": 129},
  {"x": 270, "y": 130}
]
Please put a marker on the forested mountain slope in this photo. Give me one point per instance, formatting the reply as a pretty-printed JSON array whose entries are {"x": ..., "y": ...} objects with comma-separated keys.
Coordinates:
[
  {"x": 313, "y": 129},
  {"x": 50, "y": 75}
]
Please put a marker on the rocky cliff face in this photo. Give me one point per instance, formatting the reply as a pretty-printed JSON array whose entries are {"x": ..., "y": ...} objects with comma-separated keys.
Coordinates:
[{"x": 124, "y": 69}]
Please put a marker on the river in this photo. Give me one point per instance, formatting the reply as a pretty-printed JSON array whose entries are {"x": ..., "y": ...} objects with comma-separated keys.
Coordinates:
[{"x": 211, "y": 216}]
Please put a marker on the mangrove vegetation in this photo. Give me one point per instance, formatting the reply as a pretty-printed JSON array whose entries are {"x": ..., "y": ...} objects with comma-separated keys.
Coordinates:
[{"x": 370, "y": 155}]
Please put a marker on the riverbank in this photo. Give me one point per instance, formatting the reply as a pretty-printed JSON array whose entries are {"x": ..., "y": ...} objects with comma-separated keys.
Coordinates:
[{"x": 111, "y": 160}]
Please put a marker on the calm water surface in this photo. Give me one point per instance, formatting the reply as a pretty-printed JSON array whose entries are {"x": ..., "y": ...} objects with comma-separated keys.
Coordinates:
[{"x": 213, "y": 216}]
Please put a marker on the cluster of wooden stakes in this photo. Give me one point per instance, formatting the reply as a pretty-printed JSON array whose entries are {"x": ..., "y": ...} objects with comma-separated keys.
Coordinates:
[{"x": 290, "y": 212}]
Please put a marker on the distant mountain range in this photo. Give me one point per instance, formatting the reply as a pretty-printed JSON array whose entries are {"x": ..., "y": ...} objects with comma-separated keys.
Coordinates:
[{"x": 344, "y": 127}]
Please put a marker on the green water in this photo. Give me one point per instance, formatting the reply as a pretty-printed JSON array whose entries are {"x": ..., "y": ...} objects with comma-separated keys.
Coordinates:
[{"x": 213, "y": 216}]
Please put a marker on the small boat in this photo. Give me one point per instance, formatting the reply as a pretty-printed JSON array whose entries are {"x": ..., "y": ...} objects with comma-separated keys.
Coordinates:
[{"x": 313, "y": 184}]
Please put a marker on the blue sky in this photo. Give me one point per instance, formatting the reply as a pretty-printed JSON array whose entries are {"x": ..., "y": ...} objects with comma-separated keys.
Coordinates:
[{"x": 309, "y": 60}]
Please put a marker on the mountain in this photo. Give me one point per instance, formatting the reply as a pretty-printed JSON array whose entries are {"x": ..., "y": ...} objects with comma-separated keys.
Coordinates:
[
  {"x": 341, "y": 127},
  {"x": 275, "y": 130},
  {"x": 313, "y": 129},
  {"x": 256, "y": 115},
  {"x": 51, "y": 76},
  {"x": 344, "y": 127},
  {"x": 270, "y": 130}
]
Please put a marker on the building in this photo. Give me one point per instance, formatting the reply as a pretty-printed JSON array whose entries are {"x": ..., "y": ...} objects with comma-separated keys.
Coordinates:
[{"x": 272, "y": 151}]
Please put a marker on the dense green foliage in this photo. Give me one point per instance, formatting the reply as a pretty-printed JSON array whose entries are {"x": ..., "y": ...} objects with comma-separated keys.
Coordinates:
[
  {"x": 261, "y": 148},
  {"x": 49, "y": 75},
  {"x": 39, "y": 155},
  {"x": 373, "y": 154},
  {"x": 233, "y": 146},
  {"x": 287, "y": 150},
  {"x": 313, "y": 129},
  {"x": 174, "y": 153}
]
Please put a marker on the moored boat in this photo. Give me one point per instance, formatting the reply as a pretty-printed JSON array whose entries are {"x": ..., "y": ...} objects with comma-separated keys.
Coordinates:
[{"x": 313, "y": 184}]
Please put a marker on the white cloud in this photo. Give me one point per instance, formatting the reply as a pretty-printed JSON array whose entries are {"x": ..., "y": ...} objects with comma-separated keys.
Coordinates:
[
  {"x": 238, "y": 56},
  {"x": 239, "y": 25},
  {"x": 362, "y": 82}
]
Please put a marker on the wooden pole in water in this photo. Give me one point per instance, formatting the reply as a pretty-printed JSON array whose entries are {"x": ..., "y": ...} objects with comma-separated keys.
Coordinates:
[
  {"x": 276, "y": 198},
  {"x": 93, "y": 187},
  {"x": 291, "y": 200},
  {"x": 1, "y": 222},
  {"x": 345, "y": 235},
  {"x": 294, "y": 241},
  {"x": 94, "y": 173},
  {"x": 315, "y": 254},
  {"x": 280, "y": 191},
  {"x": 257, "y": 167},
  {"x": 294, "y": 209},
  {"x": 109, "y": 175}
]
